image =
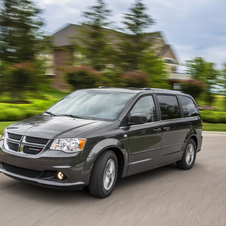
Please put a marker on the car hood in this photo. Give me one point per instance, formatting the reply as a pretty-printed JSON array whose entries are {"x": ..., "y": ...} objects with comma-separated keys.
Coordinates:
[{"x": 51, "y": 127}]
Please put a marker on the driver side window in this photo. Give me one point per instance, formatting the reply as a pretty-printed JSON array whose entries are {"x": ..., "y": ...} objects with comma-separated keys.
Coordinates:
[{"x": 146, "y": 106}]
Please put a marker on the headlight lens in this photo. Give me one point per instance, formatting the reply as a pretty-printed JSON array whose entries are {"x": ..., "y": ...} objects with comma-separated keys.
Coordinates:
[{"x": 69, "y": 145}]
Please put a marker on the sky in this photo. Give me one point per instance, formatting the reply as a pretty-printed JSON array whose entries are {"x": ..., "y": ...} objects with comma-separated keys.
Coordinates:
[{"x": 194, "y": 28}]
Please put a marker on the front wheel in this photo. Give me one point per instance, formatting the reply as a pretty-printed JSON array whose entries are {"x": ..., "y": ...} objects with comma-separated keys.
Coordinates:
[
  {"x": 188, "y": 158},
  {"x": 104, "y": 175}
]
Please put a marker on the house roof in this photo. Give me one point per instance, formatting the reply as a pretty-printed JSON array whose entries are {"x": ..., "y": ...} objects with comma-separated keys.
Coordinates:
[{"x": 64, "y": 36}]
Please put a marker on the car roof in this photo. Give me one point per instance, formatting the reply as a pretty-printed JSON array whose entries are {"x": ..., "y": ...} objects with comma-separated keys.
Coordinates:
[{"x": 138, "y": 90}]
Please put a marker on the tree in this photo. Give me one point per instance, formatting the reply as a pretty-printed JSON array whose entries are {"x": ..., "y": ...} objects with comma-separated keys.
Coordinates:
[
  {"x": 155, "y": 68},
  {"x": 193, "y": 87},
  {"x": 205, "y": 72},
  {"x": 20, "y": 34},
  {"x": 94, "y": 37},
  {"x": 222, "y": 83},
  {"x": 133, "y": 42}
]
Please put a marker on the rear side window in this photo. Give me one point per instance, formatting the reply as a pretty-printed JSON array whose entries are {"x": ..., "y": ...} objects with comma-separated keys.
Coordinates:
[
  {"x": 189, "y": 107},
  {"x": 146, "y": 106},
  {"x": 169, "y": 107}
]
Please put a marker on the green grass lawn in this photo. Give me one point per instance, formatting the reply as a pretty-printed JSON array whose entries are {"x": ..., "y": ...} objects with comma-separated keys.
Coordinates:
[
  {"x": 220, "y": 127},
  {"x": 3, "y": 125},
  {"x": 206, "y": 126}
]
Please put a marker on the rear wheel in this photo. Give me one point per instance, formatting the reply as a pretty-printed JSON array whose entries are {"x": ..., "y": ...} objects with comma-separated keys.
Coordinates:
[
  {"x": 104, "y": 175},
  {"x": 188, "y": 158}
]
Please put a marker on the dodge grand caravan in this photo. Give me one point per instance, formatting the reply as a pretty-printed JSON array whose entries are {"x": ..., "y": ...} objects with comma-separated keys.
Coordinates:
[{"x": 94, "y": 136}]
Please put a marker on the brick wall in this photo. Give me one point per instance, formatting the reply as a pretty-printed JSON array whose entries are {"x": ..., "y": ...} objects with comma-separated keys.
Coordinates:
[{"x": 61, "y": 59}]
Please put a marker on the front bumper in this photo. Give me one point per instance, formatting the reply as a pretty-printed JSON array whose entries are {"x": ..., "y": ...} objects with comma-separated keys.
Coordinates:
[{"x": 45, "y": 166}]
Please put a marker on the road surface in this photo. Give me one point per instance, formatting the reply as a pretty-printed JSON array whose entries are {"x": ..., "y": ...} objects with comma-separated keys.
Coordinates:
[{"x": 164, "y": 196}]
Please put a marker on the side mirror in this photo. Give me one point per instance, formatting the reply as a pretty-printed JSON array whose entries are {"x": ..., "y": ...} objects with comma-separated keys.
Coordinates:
[{"x": 138, "y": 118}]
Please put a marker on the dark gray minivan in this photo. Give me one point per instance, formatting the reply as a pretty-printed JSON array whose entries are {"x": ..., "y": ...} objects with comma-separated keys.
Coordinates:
[{"x": 94, "y": 136}]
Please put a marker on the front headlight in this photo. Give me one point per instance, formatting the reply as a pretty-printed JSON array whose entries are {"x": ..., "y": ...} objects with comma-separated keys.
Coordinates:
[
  {"x": 69, "y": 145},
  {"x": 3, "y": 135}
]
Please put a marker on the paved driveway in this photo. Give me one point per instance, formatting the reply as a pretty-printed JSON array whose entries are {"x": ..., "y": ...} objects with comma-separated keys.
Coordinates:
[{"x": 164, "y": 196}]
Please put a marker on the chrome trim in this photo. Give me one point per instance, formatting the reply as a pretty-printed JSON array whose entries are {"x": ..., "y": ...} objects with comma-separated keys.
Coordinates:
[
  {"x": 22, "y": 141},
  {"x": 145, "y": 160},
  {"x": 7, "y": 147},
  {"x": 25, "y": 142},
  {"x": 12, "y": 140},
  {"x": 7, "y": 136}
]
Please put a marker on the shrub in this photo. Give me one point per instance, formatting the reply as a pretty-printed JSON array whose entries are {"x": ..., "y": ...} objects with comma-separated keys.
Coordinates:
[
  {"x": 15, "y": 112},
  {"x": 82, "y": 77},
  {"x": 193, "y": 87},
  {"x": 213, "y": 116},
  {"x": 135, "y": 79},
  {"x": 23, "y": 80}
]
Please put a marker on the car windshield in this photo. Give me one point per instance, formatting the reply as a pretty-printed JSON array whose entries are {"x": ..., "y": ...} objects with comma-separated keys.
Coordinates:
[{"x": 97, "y": 104}]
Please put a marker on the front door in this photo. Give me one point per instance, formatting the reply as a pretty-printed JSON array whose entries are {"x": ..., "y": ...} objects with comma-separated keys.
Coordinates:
[{"x": 144, "y": 139}]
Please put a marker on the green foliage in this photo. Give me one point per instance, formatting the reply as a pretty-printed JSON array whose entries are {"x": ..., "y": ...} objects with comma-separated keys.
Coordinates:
[
  {"x": 135, "y": 79},
  {"x": 110, "y": 79},
  {"x": 133, "y": 42},
  {"x": 23, "y": 79},
  {"x": 222, "y": 84},
  {"x": 82, "y": 77},
  {"x": 193, "y": 87},
  {"x": 213, "y": 116},
  {"x": 20, "y": 34},
  {"x": 205, "y": 72},
  {"x": 94, "y": 37},
  {"x": 155, "y": 68},
  {"x": 214, "y": 127},
  {"x": 9, "y": 112}
]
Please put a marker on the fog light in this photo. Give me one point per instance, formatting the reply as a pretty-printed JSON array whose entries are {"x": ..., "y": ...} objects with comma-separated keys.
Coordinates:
[{"x": 60, "y": 175}]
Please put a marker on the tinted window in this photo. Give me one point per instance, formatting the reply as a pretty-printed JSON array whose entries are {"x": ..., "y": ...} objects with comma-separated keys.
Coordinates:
[
  {"x": 145, "y": 105},
  {"x": 189, "y": 107},
  {"x": 169, "y": 107}
]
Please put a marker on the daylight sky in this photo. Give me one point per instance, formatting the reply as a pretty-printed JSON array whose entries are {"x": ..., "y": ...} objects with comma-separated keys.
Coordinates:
[{"x": 193, "y": 27}]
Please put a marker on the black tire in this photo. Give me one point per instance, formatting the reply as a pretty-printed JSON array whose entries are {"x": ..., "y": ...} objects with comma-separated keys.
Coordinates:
[
  {"x": 188, "y": 160},
  {"x": 98, "y": 186}
]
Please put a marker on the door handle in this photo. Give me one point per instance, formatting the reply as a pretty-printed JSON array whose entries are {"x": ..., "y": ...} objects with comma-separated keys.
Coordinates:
[
  {"x": 166, "y": 128},
  {"x": 157, "y": 130}
]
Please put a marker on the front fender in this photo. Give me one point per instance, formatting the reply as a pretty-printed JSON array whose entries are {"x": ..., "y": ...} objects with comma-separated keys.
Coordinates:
[
  {"x": 100, "y": 147},
  {"x": 106, "y": 144}
]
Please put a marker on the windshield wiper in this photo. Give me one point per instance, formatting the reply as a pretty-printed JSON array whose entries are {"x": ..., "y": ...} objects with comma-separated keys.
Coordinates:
[
  {"x": 72, "y": 116},
  {"x": 50, "y": 113}
]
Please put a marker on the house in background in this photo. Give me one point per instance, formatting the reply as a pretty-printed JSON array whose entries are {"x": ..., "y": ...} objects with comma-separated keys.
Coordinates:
[{"x": 64, "y": 49}]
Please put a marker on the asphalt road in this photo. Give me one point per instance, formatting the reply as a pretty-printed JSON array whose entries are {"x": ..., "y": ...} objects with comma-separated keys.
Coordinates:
[{"x": 164, "y": 196}]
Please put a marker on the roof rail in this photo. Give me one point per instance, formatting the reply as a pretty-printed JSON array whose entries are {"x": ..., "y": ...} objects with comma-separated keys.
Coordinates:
[
  {"x": 166, "y": 90},
  {"x": 102, "y": 87}
]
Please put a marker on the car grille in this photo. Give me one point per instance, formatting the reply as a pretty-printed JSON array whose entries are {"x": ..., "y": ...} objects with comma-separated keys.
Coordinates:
[
  {"x": 14, "y": 136},
  {"x": 35, "y": 140},
  {"x": 25, "y": 144},
  {"x": 21, "y": 171},
  {"x": 13, "y": 146}
]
